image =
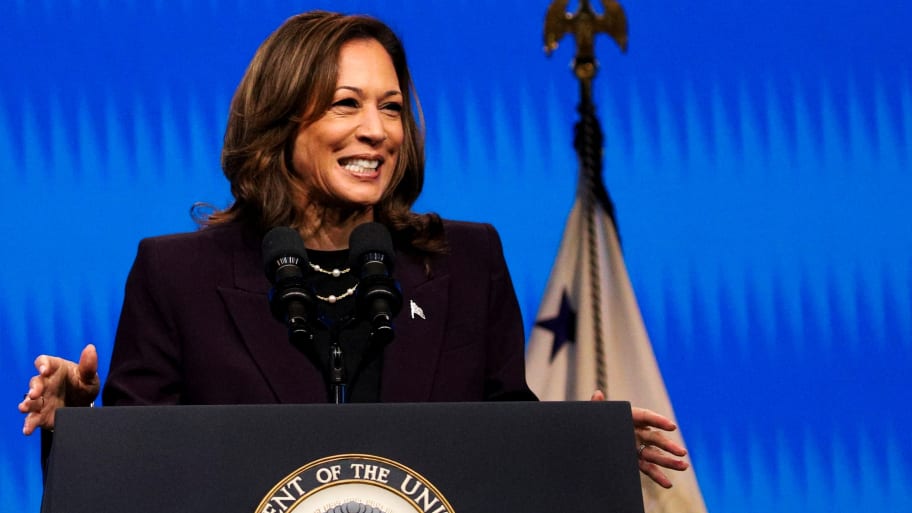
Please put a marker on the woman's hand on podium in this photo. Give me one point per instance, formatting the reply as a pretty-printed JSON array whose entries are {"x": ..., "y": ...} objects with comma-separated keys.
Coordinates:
[
  {"x": 654, "y": 450},
  {"x": 59, "y": 383}
]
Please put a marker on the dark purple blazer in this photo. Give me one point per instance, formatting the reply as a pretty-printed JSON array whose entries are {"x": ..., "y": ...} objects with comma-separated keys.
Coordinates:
[{"x": 196, "y": 327}]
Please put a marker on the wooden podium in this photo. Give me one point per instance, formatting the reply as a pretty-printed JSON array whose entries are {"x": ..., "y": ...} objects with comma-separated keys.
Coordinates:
[{"x": 479, "y": 457}]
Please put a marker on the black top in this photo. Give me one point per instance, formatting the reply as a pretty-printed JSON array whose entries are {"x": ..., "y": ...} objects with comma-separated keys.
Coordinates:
[{"x": 361, "y": 358}]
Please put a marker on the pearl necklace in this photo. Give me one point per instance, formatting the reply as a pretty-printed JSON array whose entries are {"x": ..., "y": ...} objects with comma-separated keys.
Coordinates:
[
  {"x": 331, "y": 299},
  {"x": 335, "y": 273}
]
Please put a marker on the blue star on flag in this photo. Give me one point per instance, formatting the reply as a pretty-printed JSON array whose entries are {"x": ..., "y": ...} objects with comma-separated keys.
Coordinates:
[{"x": 563, "y": 326}]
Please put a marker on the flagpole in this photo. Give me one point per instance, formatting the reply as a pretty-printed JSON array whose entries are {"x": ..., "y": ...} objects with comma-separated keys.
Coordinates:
[
  {"x": 589, "y": 299},
  {"x": 588, "y": 139}
]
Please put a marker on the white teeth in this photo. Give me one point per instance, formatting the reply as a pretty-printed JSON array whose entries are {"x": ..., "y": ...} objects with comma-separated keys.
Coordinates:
[{"x": 360, "y": 165}]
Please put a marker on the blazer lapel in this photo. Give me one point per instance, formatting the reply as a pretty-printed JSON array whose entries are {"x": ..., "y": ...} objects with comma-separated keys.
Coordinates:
[
  {"x": 290, "y": 375},
  {"x": 410, "y": 361}
]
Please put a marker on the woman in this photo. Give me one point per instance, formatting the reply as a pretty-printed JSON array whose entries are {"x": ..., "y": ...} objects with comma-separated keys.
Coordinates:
[{"x": 322, "y": 136}]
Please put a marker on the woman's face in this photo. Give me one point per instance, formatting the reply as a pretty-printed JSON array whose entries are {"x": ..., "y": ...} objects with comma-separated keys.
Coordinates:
[{"x": 347, "y": 156}]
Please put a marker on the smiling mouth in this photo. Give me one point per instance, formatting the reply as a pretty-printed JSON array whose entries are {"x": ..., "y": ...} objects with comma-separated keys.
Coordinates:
[{"x": 360, "y": 166}]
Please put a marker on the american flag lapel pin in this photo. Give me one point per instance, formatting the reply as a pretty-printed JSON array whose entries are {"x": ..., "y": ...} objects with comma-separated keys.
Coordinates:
[{"x": 416, "y": 310}]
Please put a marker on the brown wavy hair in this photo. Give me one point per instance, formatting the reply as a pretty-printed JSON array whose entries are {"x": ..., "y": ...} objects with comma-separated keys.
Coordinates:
[{"x": 291, "y": 81}]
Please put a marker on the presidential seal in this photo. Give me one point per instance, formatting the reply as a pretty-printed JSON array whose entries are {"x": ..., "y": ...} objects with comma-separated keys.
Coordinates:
[{"x": 354, "y": 483}]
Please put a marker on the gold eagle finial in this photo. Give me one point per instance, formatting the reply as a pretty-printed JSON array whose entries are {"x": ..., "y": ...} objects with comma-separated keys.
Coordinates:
[{"x": 584, "y": 25}]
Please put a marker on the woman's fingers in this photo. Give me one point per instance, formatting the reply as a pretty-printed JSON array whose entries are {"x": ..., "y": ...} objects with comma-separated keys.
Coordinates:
[{"x": 655, "y": 438}]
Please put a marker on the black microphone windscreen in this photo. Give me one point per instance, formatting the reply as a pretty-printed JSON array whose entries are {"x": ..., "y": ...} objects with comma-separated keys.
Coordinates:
[
  {"x": 370, "y": 238},
  {"x": 282, "y": 246}
]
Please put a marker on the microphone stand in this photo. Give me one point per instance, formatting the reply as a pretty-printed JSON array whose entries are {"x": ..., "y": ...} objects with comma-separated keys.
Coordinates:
[
  {"x": 335, "y": 374},
  {"x": 338, "y": 388}
]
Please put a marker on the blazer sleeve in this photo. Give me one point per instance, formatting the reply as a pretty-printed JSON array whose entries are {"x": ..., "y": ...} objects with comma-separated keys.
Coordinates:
[
  {"x": 145, "y": 363},
  {"x": 505, "y": 370}
]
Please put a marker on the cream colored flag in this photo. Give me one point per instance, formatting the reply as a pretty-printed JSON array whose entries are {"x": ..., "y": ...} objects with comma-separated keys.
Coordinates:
[{"x": 584, "y": 305}]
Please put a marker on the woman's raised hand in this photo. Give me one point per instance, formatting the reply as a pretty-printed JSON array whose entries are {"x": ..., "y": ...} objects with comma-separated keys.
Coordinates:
[{"x": 59, "y": 383}]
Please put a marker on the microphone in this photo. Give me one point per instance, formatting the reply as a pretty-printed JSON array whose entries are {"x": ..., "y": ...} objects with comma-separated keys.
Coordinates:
[
  {"x": 291, "y": 300},
  {"x": 378, "y": 298}
]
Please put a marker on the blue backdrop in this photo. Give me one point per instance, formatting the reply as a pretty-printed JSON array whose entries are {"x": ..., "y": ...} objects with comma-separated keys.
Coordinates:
[{"x": 760, "y": 156}]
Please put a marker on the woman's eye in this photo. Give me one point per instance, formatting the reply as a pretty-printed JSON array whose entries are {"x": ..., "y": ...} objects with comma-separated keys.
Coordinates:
[
  {"x": 393, "y": 107},
  {"x": 346, "y": 102}
]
